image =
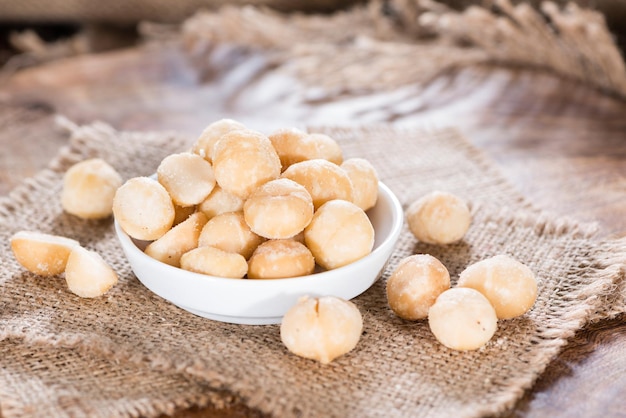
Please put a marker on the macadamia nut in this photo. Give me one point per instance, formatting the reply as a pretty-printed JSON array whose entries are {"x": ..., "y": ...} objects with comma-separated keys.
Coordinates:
[
  {"x": 178, "y": 240},
  {"x": 509, "y": 285},
  {"x": 462, "y": 319},
  {"x": 243, "y": 160},
  {"x": 220, "y": 201},
  {"x": 230, "y": 232},
  {"x": 278, "y": 209},
  {"x": 211, "y": 134},
  {"x": 215, "y": 262},
  {"x": 415, "y": 284},
  {"x": 277, "y": 259},
  {"x": 339, "y": 234},
  {"x": 143, "y": 208},
  {"x": 294, "y": 146},
  {"x": 321, "y": 329},
  {"x": 364, "y": 180},
  {"x": 87, "y": 274},
  {"x": 42, "y": 254},
  {"x": 187, "y": 177},
  {"x": 439, "y": 218},
  {"x": 323, "y": 180},
  {"x": 88, "y": 189}
]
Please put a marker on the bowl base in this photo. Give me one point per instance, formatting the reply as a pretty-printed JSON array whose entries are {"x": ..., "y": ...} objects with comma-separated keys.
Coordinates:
[{"x": 242, "y": 320}]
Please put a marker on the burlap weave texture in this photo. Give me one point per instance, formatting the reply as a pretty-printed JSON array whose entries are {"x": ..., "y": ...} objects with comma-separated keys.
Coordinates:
[{"x": 397, "y": 369}]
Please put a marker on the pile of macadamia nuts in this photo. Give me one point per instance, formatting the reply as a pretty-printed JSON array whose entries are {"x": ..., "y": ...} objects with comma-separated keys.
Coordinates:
[
  {"x": 241, "y": 204},
  {"x": 464, "y": 317}
]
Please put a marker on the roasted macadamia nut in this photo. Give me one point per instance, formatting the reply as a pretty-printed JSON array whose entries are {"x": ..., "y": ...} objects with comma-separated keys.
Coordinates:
[
  {"x": 321, "y": 329},
  {"x": 439, "y": 218},
  {"x": 462, "y": 319},
  {"x": 230, "y": 232},
  {"x": 277, "y": 259},
  {"x": 323, "y": 180},
  {"x": 87, "y": 274},
  {"x": 278, "y": 209},
  {"x": 215, "y": 262},
  {"x": 509, "y": 285},
  {"x": 339, "y": 234},
  {"x": 211, "y": 134},
  {"x": 243, "y": 160},
  {"x": 415, "y": 284},
  {"x": 364, "y": 182},
  {"x": 220, "y": 201},
  {"x": 178, "y": 240},
  {"x": 42, "y": 254},
  {"x": 294, "y": 146},
  {"x": 88, "y": 189},
  {"x": 143, "y": 208},
  {"x": 187, "y": 177}
]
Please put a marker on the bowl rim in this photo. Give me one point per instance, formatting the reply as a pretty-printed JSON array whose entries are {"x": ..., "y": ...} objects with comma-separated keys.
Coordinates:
[{"x": 129, "y": 244}]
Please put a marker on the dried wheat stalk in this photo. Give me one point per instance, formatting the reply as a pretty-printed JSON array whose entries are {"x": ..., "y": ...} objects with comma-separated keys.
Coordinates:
[{"x": 387, "y": 44}]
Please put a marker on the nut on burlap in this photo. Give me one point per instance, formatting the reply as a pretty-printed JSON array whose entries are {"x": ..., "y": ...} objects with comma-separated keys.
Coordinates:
[{"x": 398, "y": 368}]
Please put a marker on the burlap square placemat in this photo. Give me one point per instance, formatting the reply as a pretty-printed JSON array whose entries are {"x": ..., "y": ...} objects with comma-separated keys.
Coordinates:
[{"x": 124, "y": 342}]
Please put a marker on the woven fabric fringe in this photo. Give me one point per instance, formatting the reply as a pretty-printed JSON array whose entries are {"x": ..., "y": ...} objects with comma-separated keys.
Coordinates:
[
  {"x": 397, "y": 369},
  {"x": 388, "y": 44}
]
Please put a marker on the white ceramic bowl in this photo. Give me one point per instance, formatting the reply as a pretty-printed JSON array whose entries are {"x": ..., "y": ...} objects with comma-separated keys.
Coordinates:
[{"x": 259, "y": 302}]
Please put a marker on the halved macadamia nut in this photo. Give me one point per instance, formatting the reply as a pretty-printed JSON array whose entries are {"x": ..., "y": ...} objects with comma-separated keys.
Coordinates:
[
  {"x": 215, "y": 262},
  {"x": 277, "y": 259},
  {"x": 87, "y": 274},
  {"x": 187, "y": 177},
  {"x": 42, "y": 254},
  {"x": 220, "y": 201},
  {"x": 230, "y": 232},
  {"x": 178, "y": 240}
]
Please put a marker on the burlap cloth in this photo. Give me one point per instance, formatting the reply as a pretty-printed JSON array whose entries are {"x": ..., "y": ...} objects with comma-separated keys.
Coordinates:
[{"x": 131, "y": 353}]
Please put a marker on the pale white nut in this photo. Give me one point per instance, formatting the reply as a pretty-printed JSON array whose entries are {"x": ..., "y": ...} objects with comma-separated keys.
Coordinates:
[
  {"x": 214, "y": 262},
  {"x": 187, "y": 177},
  {"x": 278, "y": 209},
  {"x": 42, "y": 254},
  {"x": 278, "y": 259},
  {"x": 178, "y": 240},
  {"x": 294, "y": 146},
  {"x": 220, "y": 201},
  {"x": 439, "y": 218},
  {"x": 230, "y": 232},
  {"x": 211, "y": 134},
  {"x": 87, "y": 274},
  {"x": 88, "y": 189},
  {"x": 322, "y": 328},
  {"x": 462, "y": 319},
  {"x": 508, "y": 284},
  {"x": 243, "y": 160},
  {"x": 364, "y": 182},
  {"x": 415, "y": 284},
  {"x": 143, "y": 208},
  {"x": 339, "y": 234},
  {"x": 322, "y": 179}
]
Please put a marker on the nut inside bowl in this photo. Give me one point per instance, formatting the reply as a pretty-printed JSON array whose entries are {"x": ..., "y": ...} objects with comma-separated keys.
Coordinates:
[{"x": 257, "y": 302}]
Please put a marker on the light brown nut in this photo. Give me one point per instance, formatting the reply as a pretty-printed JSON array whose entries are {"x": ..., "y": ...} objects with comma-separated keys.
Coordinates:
[
  {"x": 339, "y": 234},
  {"x": 415, "y": 284},
  {"x": 322, "y": 328},
  {"x": 323, "y": 180},
  {"x": 187, "y": 177},
  {"x": 277, "y": 259},
  {"x": 364, "y": 182},
  {"x": 220, "y": 201},
  {"x": 462, "y": 319},
  {"x": 439, "y": 218},
  {"x": 42, "y": 254},
  {"x": 294, "y": 146},
  {"x": 214, "y": 262},
  {"x": 509, "y": 285},
  {"x": 211, "y": 134},
  {"x": 243, "y": 160},
  {"x": 278, "y": 209},
  {"x": 143, "y": 208},
  {"x": 88, "y": 189},
  {"x": 178, "y": 240},
  {"x": 87, "y": 274},
  {"x": 230, "y": 232}
]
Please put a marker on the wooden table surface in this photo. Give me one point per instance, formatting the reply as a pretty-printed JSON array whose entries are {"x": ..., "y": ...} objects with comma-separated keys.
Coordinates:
[{"x": 561, "y": 144}]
